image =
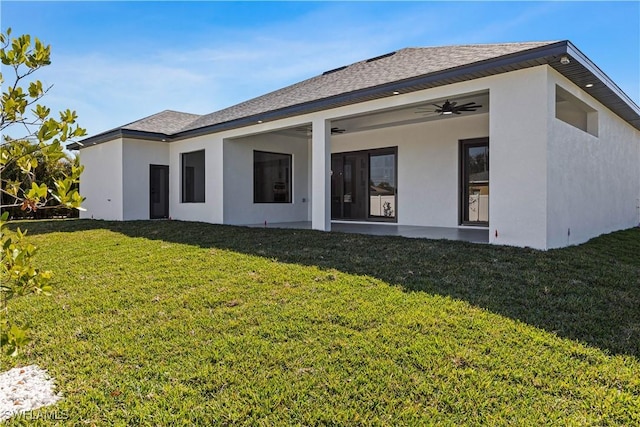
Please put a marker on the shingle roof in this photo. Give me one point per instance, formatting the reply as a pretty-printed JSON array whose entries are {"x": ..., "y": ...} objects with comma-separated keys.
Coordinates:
[
  {"x": 406, "y": 70},
  {"x": 404, "y": 64},
  {"x": 167, "y": 122}
]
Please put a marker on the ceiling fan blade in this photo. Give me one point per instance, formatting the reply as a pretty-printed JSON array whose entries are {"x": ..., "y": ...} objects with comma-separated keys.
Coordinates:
[
  {"x": 474, "y": 108},
  {"x": 468, "y": 104}
]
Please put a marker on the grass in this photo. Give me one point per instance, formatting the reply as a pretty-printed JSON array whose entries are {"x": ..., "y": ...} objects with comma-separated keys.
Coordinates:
[{"x": 167, "y": 322}]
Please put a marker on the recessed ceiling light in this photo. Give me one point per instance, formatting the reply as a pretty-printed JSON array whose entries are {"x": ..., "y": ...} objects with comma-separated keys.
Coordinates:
[
  {"x": 259, "y": 121},
  {"x": 395, "y": 92},
  {"x": 589, "y": 85}
]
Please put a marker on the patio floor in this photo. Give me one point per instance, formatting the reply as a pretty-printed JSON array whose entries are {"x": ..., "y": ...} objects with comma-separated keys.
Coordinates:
[{"x": 474, "y": 235}]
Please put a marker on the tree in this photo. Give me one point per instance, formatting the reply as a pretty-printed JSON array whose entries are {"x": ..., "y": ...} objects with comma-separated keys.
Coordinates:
[
  {"x": 45, "y": 172},
  {"x": 30, "y": 137}
]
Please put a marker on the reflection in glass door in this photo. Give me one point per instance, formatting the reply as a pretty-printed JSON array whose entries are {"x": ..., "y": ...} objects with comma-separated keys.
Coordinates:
[
  {"x": 382, "y": 185},
  {"x": 475, "y": 181}
]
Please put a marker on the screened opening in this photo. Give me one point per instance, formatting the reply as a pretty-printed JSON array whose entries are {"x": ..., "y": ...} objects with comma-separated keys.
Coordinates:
[
  {"x": 573, "y": 111},
  {"x": 193, "y": 177},
  {"x": 271, "y": 177}
]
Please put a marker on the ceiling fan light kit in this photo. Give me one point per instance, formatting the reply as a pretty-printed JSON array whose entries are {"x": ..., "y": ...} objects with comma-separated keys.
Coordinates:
[{"x": 449, "y": 108}]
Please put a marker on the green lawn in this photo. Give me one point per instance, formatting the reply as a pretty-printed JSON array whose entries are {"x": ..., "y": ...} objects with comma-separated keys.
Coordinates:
[{"x": 167, "y": 322}]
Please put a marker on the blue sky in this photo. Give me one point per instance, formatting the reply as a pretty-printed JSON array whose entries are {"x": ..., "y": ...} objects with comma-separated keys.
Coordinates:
[{"x": 116, "y": 62}]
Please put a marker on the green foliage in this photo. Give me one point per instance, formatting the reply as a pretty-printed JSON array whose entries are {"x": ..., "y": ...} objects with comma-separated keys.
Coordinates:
[
  {"x": 32, "y": 141},
  {"x": 179, "y": 323},
  {"x": 18, "y": 277}
]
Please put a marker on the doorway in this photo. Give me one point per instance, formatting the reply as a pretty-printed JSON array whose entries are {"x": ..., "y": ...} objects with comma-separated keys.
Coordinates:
[
  {"x": 474, "y": 191},
  {"x": 364, "y": 185},
  {"x": 158, "y": 191}
]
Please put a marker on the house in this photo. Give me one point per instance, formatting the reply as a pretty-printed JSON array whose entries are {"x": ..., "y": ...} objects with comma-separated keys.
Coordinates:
[{"x": 529, "y": 142}]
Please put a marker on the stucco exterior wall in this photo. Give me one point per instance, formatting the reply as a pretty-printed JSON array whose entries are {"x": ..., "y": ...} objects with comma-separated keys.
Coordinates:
[
  {"x": 239, "y": 207},
  {"x": 550, "y": 184},
  {"x": 518, "y": 158},
  {"x": 593, "y": 182},
  {"x": 428, "y": 165},
  {"x": 211, "y": 209},
  {"x": 101, "y": 181},
  {"x": 137, "y": 155}
]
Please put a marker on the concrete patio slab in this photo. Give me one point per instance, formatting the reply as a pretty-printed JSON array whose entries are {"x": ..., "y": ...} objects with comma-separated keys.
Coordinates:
[{"x": 471, "y": 234}]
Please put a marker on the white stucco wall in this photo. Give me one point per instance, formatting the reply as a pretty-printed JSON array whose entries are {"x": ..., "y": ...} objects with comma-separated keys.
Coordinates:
[
  {"x": 518, "y": 158},
  {"x": 211, "y": 209},
  {"x": 428, "y": 165},
  {"x": 238, "y": 180},
  {"x": 101, "y": 181},
  {"x": 137, "y": 155},
  {"x": 593, "y": 182}
]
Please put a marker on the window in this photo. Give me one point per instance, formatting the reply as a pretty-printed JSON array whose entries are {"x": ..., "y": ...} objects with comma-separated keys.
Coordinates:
[
  {"x": 573, "y": 111},
  {"x": 193, "y": 177},
  {"x": 271, "y": 177}
]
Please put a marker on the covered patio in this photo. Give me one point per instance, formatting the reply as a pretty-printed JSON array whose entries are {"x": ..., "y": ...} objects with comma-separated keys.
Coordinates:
[{"x": 465, "y": 234}]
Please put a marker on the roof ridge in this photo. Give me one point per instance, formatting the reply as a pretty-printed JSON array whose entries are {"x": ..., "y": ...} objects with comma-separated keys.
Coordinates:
[
  {"x": 179, "y": 112},
  {"x": 482, "y": 44}
]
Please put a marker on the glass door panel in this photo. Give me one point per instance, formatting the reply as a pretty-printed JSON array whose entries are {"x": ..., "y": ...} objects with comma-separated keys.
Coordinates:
[
  {"x": 337, "y": 163},
  {"x": 475, "y": 185},
  {"x": 354, "y": 167},
  {"x": 382, "y": 185}
]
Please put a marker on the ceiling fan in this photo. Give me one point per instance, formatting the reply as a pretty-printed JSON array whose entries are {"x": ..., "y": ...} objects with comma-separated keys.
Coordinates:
[
  {"x": 450, "y": 108},
  {"x": 307, "y": 130}
]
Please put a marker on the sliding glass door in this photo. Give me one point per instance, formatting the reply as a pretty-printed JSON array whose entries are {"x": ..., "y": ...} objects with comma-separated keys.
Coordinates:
[
  {"x": 474, "y": 159},
  {"x": 363, "y": 185}
]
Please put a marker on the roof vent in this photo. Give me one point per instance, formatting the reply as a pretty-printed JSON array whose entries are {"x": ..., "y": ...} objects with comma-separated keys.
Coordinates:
[
  {"x": 381, "y": 56},
  {"x": 334, "y": 70}
]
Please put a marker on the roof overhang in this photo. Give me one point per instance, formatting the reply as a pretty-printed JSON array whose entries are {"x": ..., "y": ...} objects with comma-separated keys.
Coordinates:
[
  {"x": 580, "y": 70},
  {"x": 117, "y": 134}
]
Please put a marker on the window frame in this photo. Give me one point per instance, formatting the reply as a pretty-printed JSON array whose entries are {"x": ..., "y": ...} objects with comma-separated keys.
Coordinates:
[{"x": 184, "y": 191}]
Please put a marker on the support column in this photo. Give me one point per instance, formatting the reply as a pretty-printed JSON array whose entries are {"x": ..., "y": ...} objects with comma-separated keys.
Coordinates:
[{"x": 321, "y": 175}]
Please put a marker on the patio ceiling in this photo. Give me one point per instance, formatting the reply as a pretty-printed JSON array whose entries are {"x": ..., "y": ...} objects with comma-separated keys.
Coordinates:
[
  {"x": 410, "y": 114},
  {"x": 399, "y": 116}
]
